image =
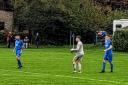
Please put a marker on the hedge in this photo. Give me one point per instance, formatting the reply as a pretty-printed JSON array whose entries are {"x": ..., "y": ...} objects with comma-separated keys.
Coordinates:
[{"x": 120, "y": 40}]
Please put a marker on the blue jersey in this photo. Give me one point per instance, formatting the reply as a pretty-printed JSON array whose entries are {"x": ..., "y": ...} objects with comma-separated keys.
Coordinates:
[
  {"x": 18, "y": 44},
  {"x": 108, "y": 43}
]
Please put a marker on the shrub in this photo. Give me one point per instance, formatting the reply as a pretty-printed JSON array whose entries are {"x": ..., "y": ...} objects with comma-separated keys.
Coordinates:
[{"x": 120, "y": 40}]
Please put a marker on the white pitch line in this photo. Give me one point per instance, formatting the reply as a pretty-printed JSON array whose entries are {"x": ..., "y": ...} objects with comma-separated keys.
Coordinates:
[{"x": 63, "y": 76}]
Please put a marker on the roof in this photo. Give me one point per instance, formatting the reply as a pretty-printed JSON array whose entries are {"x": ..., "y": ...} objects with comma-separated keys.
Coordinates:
[{"x": 121, "y": 20}]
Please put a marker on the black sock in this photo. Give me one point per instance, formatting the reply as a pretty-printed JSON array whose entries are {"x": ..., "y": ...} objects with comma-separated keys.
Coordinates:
[
  {"x": 19, "y": 63},
  {"x": 111, "y": 65},
  {"x": 103, "y": 66}
]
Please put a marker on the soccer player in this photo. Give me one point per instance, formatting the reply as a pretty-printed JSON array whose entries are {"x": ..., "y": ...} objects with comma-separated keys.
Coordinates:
[
  {"x": 18, "y": 50},
  {"x": 37, "y": 39},
  {"x": 102, "y": 35},
  {"x": 26, "y": 41},
  {"x": 79, "y": 54},
  {"x": 108, "y": 53}
]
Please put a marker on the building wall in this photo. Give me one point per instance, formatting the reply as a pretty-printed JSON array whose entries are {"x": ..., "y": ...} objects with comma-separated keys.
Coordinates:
[{"x": 7, "y": 18}]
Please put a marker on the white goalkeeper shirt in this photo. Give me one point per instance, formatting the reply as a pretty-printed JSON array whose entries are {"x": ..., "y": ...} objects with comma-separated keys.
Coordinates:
[{"x": 80, "y": 49}]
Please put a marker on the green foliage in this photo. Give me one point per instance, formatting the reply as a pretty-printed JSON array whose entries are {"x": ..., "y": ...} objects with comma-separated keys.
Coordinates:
[
  {"x": 120, "y": 40},
  {"x": 78, "y": 15},
  {"x": 40, "y": 12},
  {"x": 58, "y": 17}
]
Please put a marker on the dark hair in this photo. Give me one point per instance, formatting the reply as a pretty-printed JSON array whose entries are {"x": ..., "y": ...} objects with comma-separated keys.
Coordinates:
[
  {"x": 108, "y": 35},
  {"x": 78, "y": 36},
  {"x": 17, "y": 34}
]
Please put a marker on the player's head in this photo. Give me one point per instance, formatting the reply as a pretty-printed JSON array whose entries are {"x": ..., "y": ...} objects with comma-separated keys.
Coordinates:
[
  {"x": 107, "y": 37},
  {"x": 26, "y": 37},
  {"x": 17, "y": 37},
  {"x": 78, "y": 38},
  {"x": 100, "y": 33},
  {"x": 10, "y": 32}
]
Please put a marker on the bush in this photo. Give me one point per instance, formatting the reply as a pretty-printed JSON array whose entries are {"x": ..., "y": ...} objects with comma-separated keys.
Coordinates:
[{"x": 120, "y": 40}]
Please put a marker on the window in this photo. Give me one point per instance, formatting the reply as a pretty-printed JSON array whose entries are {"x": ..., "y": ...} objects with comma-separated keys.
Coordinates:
[
  {"x": 118, "y": 26},
  {"x": 1, "y": 25}
]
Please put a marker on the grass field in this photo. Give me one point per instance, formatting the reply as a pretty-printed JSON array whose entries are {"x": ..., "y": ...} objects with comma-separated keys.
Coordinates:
[{"x": 53, "y": 66}]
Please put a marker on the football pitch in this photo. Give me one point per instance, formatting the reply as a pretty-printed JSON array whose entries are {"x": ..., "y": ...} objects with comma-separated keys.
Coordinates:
[{"x": 53, "y": 66}]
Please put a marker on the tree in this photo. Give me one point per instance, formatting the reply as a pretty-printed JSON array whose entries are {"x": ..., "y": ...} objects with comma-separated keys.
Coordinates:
[{"x": 55, "y": 18}]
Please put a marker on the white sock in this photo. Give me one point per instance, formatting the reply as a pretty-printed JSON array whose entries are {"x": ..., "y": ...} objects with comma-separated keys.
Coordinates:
[
  {"x": 79, "y": 66},
  {"x": 74, "y": 66}
]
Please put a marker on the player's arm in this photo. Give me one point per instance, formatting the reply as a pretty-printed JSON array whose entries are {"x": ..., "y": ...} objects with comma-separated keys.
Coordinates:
[
  {"x": 77, "y": 49},
  {"x": 22, "y": 46}
]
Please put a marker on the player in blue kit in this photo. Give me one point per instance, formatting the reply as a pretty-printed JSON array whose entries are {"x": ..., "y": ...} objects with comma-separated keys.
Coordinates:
[
  {"x": 18, "y": 50},
  {"x": 108, "y": 53},
  {"x": 103, "y": 33}
]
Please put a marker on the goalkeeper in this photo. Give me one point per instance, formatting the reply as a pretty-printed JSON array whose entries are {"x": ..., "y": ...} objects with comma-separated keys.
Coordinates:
[{"x": 79, "y": 54}]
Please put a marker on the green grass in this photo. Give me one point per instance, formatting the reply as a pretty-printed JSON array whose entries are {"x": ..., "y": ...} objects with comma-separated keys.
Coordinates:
[{"x": 53, "y": 66}]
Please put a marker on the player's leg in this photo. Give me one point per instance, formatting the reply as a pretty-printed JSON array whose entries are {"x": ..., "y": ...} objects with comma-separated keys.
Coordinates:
[
  {"x": 79, "y": 63},
  {"x": 18, "y": 54},
  {"x": 111, "y": 66},
  {"x": 74, "y": 64},
  {"x": 110, "y": 61},
  {"x": 26, "y": 45},
  {"x": 104, "y": 63},
  {"x": 103, "y": 66},
  {"x": 37, "y": 44},
  {"x": 19, "y": 62},
  {"x": 79, "y": 66}
]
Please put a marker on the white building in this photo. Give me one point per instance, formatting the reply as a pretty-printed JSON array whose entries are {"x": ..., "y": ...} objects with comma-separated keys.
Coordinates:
[{"x": 119, "y": 24}]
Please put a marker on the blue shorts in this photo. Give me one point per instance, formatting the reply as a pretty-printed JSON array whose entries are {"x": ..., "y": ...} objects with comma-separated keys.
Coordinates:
[
  {"x": 108, "y": 57},
  {"x": 18, "y": 53}
]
